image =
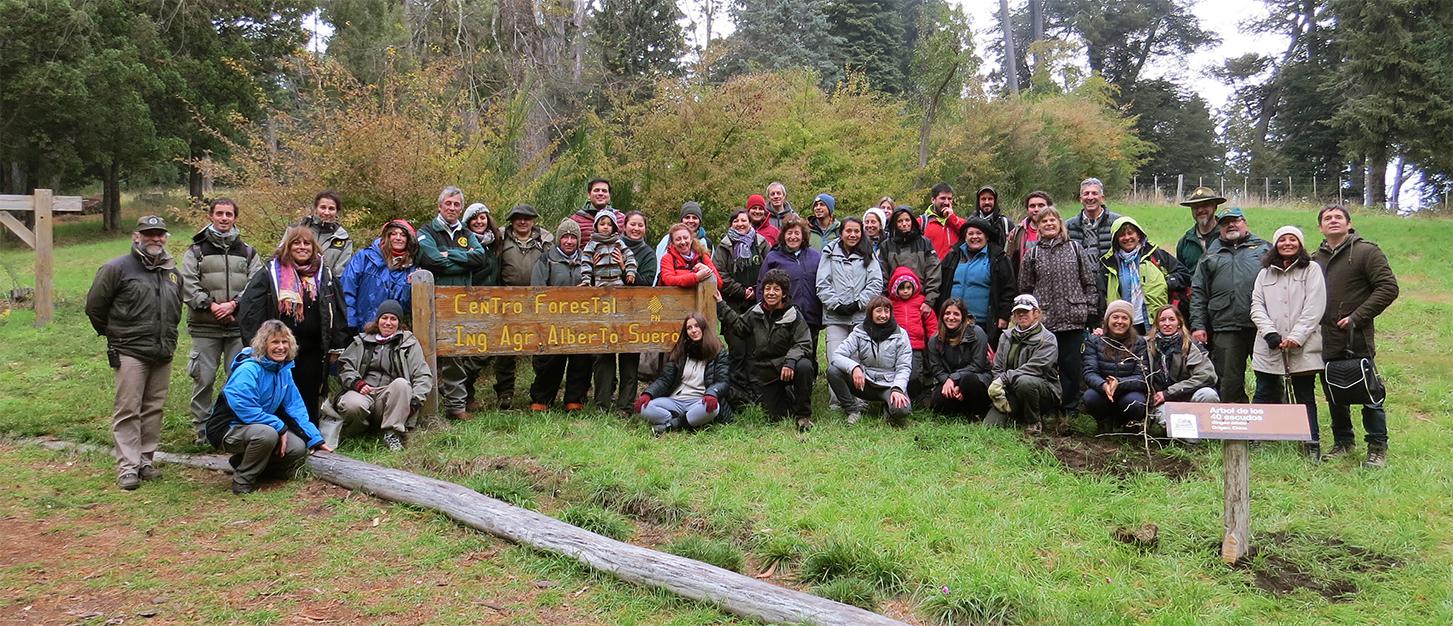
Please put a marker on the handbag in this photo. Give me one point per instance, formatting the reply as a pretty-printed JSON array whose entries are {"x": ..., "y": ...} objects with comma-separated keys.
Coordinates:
[{"x": 1352, "y": 379}]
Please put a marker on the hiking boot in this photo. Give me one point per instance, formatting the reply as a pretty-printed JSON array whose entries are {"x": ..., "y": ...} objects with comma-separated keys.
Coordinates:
[
  {"x": 506, "y": 403},
  {"x": 460, "y": 415},
  {"x": 241, "y": 489},
  {"x": 149, "y": 472},
  {"x": 538, "y": 407},
  {"x": 1313, "y": 451},
  {"x": 472, "y": 406},
  {"x": 393, "y": 440},
  {"x": 128, "y": 481},
  {"x": 1376, "y": 457},
  {"x": 1034, "y": 428},
  {"x": 804, "y": 424},
  {"x": 574, "y": 406},
  {"x": 854, "y": 417},
  {"x": 659, "y": 429},
  {"x": 1339, "y": 449}
]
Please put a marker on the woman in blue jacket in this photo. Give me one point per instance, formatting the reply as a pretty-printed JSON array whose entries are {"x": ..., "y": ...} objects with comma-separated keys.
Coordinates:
[
  {"x": 380, "y": 272},
  {"x": 267, "y": 427}
]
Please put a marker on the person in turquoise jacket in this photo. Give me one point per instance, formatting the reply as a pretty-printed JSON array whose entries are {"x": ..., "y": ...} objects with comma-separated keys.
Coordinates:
[{"x": 267, "y": 427}]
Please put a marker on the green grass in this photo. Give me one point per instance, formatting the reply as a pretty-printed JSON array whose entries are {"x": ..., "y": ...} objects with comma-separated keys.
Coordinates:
[{"x": 1009, "y": 533}]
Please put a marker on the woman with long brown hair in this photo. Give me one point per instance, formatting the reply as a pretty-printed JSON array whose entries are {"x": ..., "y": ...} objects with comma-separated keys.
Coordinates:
[{"x": 691, "y": 390}]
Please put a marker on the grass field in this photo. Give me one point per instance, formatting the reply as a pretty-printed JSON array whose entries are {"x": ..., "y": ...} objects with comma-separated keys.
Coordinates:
[{"x": 941, "y": 522}]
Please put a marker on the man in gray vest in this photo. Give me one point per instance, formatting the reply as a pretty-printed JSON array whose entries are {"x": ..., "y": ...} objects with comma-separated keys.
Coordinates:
[
  {"x": 215, "y": 269},
  {"x": 135, "y": 302},
  {"x": 1091, "y": 227}
]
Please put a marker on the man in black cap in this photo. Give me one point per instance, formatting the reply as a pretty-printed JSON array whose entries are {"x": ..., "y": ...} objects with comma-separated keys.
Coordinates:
[
  {"x": 1203, "y": 234},
  {"x": 136, "y": 303},
  {"x": 1221, "y": 301}
]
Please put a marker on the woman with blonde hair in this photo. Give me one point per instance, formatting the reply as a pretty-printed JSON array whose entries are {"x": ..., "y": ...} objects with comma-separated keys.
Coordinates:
[
  {"x": 297, "y": 288},
  {"x": 259, "y": 416}
]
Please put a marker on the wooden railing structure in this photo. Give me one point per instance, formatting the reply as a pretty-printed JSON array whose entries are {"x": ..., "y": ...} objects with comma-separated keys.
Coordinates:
[{"x": 44, "y": 204}]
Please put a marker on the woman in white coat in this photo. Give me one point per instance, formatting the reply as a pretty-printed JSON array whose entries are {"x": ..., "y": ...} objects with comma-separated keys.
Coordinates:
[{"x": 1286, "y": 305}]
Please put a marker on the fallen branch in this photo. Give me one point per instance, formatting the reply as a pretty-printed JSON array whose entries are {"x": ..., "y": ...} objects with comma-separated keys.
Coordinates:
[{"x": 734, "y": 593}]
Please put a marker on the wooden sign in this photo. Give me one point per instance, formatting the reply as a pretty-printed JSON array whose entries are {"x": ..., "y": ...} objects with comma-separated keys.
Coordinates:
[
  {"x": 478, "y": 321},
  {"x": 1260, "y": 422}
]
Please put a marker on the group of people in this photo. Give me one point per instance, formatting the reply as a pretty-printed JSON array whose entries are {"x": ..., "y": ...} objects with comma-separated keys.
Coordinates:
[{"x": 979, "y": 315}]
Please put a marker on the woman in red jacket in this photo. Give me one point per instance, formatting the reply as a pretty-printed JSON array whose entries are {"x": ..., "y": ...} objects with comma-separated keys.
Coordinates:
[{"x": 686, "y": 261}]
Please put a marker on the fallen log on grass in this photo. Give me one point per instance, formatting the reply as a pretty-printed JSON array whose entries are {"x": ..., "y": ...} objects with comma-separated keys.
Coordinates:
[{"x": 734, "y": 593}]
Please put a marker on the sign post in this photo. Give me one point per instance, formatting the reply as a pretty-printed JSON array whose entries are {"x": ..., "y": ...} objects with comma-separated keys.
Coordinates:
[
  {"x": 1235, "y": 425},
  {"x": 527, "y": 321}
]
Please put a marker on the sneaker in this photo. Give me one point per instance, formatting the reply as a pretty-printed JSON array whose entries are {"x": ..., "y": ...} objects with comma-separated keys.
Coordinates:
[
  {"x": 1313, "y": 451},
  {"x": 241, "y": 489},
  {"x": 854, "y": 417},
  {"x": 804, "y": 424},
  {"x": 149, "y": 472},
  {"x": 1339, "y": 450},
  {"x": 1376, "y": 458},
  {"x": 574, "y": 406},
  {"x": 393, "y": 440},
  {"x": 659, "y": 429},
  {"x": 128, "y": 481},
  {"x": 537, "y": 407}
]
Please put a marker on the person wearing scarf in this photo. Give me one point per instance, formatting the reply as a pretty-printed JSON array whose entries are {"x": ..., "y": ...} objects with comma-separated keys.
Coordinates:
[
  {"x": 561, "y": 266},
  {"x": 1116, "y": 363},
  {"x": 957, "y": 359},
  {"x": 739, "y": 255},
  {"x": 1287, "y": 304},
  {"x": 298, "y": 289},
  {"x": 1181, "y": 370},
  {"x": 875, "y": 363},
  {"x": 1025, "y": 385},
  {"x": 1140, "y": 273}
]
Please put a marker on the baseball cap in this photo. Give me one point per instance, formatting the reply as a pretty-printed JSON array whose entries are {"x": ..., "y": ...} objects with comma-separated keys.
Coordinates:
[
  {"x": 1025, "y": 302},
  {"x": 150, "y": 222}
]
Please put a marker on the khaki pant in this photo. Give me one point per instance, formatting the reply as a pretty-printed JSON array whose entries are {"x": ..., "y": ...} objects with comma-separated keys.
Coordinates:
[
  {"x": 202, "y": 366},
  {"x": 254, "y": 453},
  {"x": 141, "y": 389},
  {"x": 387, "y": 407}
]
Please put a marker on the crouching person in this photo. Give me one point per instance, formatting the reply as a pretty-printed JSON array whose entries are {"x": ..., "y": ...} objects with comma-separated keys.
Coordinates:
[
  {"x": 780, "y": 348},
  {"x": 384, "y": 377},
  {"x": 875, "y": 363},
  {"x": 1026, "y": 381},
  {"x": 1180, "y": 370},
  {"x": 694, "y": 379},
  {"x": 1115, "y": 366},
  {"x": 260, "y": 417},
  {"x": 958, "y": 363}
]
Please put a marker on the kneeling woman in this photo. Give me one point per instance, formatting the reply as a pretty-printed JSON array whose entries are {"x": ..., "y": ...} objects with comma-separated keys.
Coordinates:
[
  {"x": 1026, "y": 382},
  {"x": 267, "y": 427},
  {"x": 384, "y": 377},
  {"x": 692, "y": 382},
  {"x": 875, "y": 363},
  {"x": 958, "y": 363},
  {"x": 1115, "y": 366},
  {"x": 1180, "y": 369},
  {"x": 779, "y": 349}
]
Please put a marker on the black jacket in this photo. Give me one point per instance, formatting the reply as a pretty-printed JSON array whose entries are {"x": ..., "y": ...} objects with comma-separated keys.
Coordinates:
[
  {"x": 258, "y": 303},
  {"x": 968, "y": 359},
  {"x": 137, "y": 305},
  {"x": 1124, "y": 367},
  {"x": 1003, "y": 284},
  {"x": 718, "y": 381}
]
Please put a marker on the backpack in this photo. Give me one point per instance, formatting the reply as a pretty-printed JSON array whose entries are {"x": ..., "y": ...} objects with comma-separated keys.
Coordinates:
[{"x": 219, "y": 421}]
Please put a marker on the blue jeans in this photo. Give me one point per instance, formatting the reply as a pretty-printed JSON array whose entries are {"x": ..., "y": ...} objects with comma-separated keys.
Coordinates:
[{"x": 664, "y": 410}]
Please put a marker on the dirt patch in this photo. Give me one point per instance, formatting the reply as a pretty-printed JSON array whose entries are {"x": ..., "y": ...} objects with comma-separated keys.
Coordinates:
[
  {"x": 1112, "y": 456},
  {"x": 1284, "y": 563}
]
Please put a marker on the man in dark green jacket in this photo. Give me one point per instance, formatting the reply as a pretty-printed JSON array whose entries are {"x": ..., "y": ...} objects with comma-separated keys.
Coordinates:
[
  {"x": 1221, "y": 301},
  {"x": 449, "y": 250},
  {"x": 1202, "y": 235},
  {"x": 1360, "y": 286},
  {"x": 136, "y": 303}
]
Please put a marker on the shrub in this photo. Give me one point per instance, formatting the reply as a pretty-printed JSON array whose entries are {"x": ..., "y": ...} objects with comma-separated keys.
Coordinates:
[
  {"x": 883, "y": 568},
  {"x": 854, "y": 591}
]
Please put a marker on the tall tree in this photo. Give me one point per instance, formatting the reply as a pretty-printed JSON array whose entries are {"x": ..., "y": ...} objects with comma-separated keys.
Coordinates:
[
  {"x": 638, "y": 40},
  {"x": 1011, "y": 56},
  {"x": 1179, "y": 125},
  {"x": 779, "y": 35},
  {"x": 941, "y": 64},
  {"x": 874, "y": 40}
]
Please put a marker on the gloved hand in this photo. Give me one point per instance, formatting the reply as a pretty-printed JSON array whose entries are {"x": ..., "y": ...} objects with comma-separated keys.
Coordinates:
[
  {"x": 999, "y": 396},
  {"x": 641, "y": 402},
  {"x": 1273, "y": 340},
  {"x": 710, "y": 403},
  {"x": 847, "y": 309}
]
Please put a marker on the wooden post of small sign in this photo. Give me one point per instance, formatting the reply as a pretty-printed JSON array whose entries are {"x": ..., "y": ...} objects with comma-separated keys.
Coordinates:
[
  {"x": 1236, "y": 515},
  {"x": 44, "y": 258},
  {"x": 422, "y": 282}
]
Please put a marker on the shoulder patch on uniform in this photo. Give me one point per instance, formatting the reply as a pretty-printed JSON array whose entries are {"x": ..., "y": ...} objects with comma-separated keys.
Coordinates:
[
  {"x": 463, "y": 241},
  {"x": 339, "y": 243}
]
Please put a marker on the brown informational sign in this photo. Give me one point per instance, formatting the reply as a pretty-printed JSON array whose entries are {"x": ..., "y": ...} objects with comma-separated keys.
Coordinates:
[
  {"x": 1260, "y": 422},
  {"x": 479, "y": 321}
]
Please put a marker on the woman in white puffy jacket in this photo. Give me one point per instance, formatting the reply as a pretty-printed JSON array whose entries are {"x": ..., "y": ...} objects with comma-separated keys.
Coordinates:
[{"x": 1286, "y": 305}]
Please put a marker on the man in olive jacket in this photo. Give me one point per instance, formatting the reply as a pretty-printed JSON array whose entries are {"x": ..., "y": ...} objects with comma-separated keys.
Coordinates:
[
  {"x": 1221, "y": 301},
  {"x": 136, "y": 303},
  {"x": 1360, "y": 286}
]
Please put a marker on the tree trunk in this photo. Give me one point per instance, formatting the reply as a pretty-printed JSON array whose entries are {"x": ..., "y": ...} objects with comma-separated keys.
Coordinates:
[
  {"x": 1377, "y": 179},
  {"x": 926, "y": 125},
  {"x": 1036, "y": 29},
  {"x": 111, "y": 197},
  {"x": 1011, "y": 58}
]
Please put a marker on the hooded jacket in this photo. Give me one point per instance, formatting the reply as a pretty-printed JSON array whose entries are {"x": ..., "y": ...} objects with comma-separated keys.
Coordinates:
[
  {"x": 968, "y": 359},
  {"x": 377, "y": 363},
  {"x": 368, "y": 280},
  {"x": 136, "y": 303},
  {"x": 1221, "y": 289},
  {"x": 888, "y": 363},
  {"x": 598, "y": 266},
  {"x": 1360, "y": 285},
  {"x": 944, "y": 233},
  {"x": 844, "y": 278},
  {"x": 452, "y": 253},
  {"x": 1288, "y": 301},
  {"x": 908, "y": 312},
  {"x": 801, "y": 268},
  {"x": 777, "y": 218},
  {"x": 262, "y": 391},
  {"x": 996, "y": 217},
  {"x": 517, "y": 260},
  {"x": 337, "y": 244},
  {"x": 739, "y": 274},
  {"x": 1160, "y": 273},
  {"x": 913, "y": 251},
  {"x": 215, "y": 269},
  {"x": 772, "y": 340}
]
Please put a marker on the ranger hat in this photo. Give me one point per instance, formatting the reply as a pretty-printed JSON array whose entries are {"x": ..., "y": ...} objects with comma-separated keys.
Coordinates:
[
  {"x": 1203, "y": 194},
  {"x": 150, "y": 222}
]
